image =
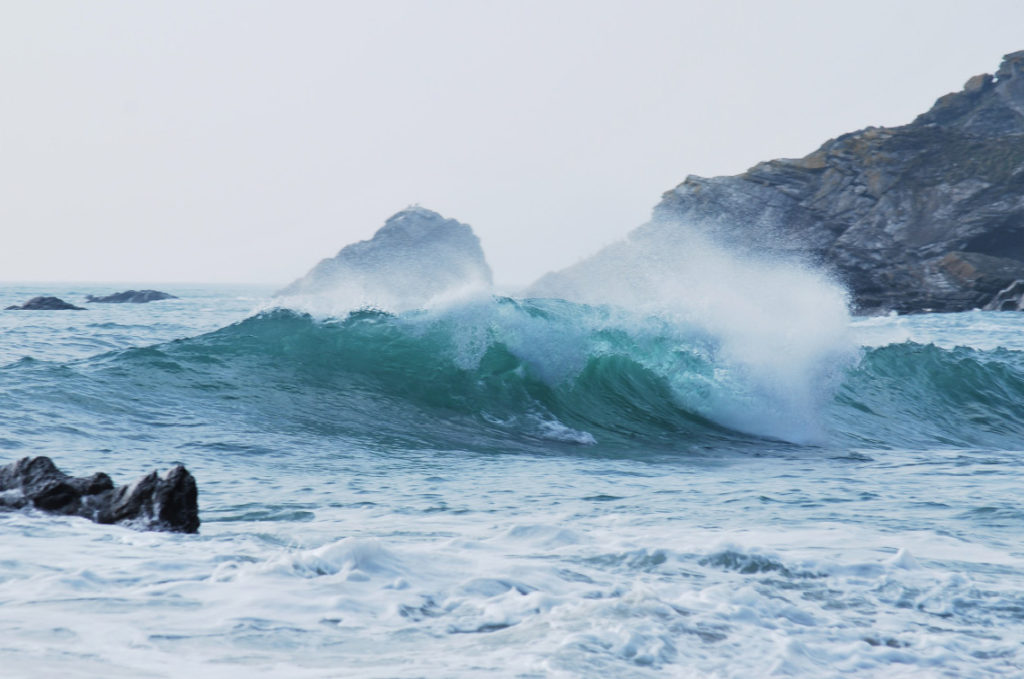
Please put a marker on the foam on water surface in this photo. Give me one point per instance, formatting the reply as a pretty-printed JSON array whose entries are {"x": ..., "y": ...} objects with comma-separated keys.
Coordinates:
[
  {"x": 522, "y": 488},
  {"x": 517, "y": 567}
]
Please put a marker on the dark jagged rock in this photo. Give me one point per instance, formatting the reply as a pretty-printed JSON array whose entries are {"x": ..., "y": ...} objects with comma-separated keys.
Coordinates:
[
  {"x": 153, "y": 503},
  {"x": 925, "y": 216},
  {"x": 1010, "y": 298},
  {"x": 417, "y": 255},
  {"x": 131, "y": 297},
  {"x": 45, "y": 304}
]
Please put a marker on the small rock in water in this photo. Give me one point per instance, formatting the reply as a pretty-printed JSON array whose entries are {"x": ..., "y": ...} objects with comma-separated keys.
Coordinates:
[
  {"x": 152, "y": 503},
  {"x": 131, "y": 297},
  {"x": 45, "y": 304}
]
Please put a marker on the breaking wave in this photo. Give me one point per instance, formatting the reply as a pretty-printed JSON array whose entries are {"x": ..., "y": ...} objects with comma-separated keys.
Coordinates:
[{"x": 505, "y": 374}]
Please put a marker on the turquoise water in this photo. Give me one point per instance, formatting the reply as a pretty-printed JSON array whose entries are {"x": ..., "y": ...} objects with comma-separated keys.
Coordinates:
[{"x": 512, "y": 487}]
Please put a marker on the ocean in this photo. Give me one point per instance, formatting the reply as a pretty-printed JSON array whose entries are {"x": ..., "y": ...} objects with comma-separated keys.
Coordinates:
[{"x": 508, "y": 487}]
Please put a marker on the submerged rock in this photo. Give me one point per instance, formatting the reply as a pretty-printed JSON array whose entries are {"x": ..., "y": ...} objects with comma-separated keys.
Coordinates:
[
  {"x": 45, "y": 304},
  {"x": 152, "y": 503},
  {"x": 417, "y": 255},
  {"x": 131, "y": 297},
  {"x": 924, "y": 216}
]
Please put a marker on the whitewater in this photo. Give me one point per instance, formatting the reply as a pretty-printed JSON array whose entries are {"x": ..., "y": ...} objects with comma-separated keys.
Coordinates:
[{"x": 527, "y": 485}]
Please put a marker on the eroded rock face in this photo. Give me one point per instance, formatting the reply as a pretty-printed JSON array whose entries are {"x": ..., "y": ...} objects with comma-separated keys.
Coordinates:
[
  {"x": 926, "y": 216},
  {"x": 152, "y": 503},
  {"x": 45, "y": 304},
  {"x": 417, "y": 255},
  {"x": 131, "y": 297}
]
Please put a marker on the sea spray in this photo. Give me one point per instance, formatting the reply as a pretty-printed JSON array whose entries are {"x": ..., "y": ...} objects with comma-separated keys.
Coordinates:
[
  {"x": 501, "y": 375},
  {"x": 777, "y": 329},
  {"x": 493, "y": 374},
  {"x": 771, "y": 334}
]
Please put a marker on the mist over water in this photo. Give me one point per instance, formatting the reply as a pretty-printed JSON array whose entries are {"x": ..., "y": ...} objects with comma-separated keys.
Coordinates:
[
  {"x": 418, "y": 259},
  {"x": 779, "y": 330}
]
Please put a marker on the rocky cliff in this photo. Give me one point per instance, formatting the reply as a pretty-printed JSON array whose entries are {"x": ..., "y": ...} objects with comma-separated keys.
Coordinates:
[
  {"x": 926, "y": 216},
  {"x": 417, "y": 255}
]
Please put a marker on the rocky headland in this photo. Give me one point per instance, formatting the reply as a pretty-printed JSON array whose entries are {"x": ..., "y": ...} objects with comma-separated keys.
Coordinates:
[
  {"x": 152, "y": 503},
  {"x": 927, "y": 216}
]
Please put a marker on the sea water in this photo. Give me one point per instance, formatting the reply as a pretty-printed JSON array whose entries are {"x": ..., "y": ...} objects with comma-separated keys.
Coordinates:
[{"x": 517, "y": 487}]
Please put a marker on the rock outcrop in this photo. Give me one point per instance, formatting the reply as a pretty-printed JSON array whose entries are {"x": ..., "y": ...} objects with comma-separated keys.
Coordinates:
[
  {"x": 153, "y": 503},
  {"x": 1010, "y": 298},
  {"x": 417, "y": 255},
  {"x": 925, "y": 216},
  {"x": 131, "y": 297},
  {"x": 45, "y": 304}
]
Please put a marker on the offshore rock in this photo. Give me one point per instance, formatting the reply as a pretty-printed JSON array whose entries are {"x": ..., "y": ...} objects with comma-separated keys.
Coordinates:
[
  {"x": 151, "y": 503},
  {"x": 45, "y": 304},
  {"x": 417, "y": 255},
  {"x": 131, "y": 297},
  {"x": 925, "y": 216}
]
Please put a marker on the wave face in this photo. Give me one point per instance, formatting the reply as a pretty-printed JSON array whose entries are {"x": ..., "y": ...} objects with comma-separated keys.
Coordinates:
[
  {"x": 489, "y": 374},
  {"x": 505, "y": 374},
  {"x": 913, "y": 395}
]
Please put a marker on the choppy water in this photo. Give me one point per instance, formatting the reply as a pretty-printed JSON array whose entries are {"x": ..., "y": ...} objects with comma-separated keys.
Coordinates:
[{"x": 522, "y": 488}]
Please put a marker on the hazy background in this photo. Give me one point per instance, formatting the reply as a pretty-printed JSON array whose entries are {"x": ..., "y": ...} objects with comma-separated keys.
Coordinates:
[{"x": 243, "y": 141}]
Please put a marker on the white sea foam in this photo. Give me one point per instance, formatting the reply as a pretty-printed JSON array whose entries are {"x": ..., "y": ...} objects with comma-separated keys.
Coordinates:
[
  {"x": 615, "y": 569},
  {"x": 355, "y": 295},
  {"x": 553, "y": 430},
  {"x": 984, "y": 330}
]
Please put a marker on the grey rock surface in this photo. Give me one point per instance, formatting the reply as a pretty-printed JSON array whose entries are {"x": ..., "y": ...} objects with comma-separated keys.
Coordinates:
[
  {"x": 45, "y": 304},
  {"x": 153, "y": 503},
  {"x": 925, "y": 216},
  {"x": 131, "y": 297},
  {"x": 417, "y": 255}
]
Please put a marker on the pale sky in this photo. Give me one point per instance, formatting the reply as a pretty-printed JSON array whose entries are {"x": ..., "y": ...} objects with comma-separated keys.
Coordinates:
[{"x": 243, "y": 141}]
